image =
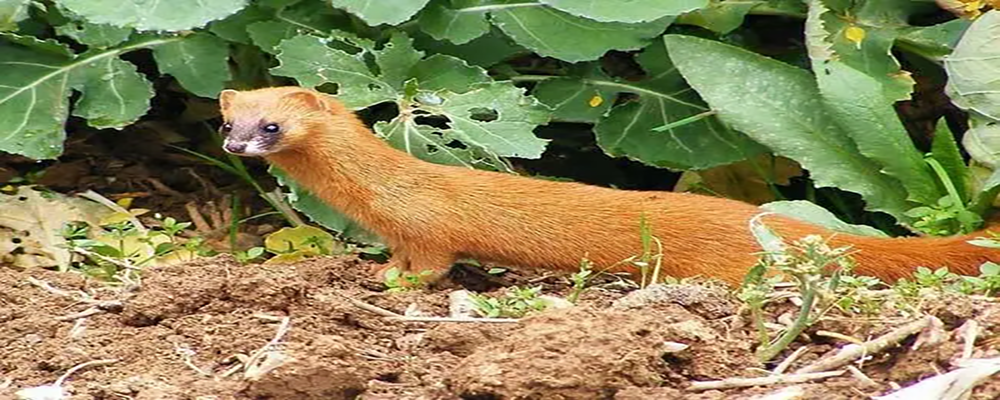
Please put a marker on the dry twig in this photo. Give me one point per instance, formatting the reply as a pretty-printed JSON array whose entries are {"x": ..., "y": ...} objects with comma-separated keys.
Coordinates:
[
  {"x": 762, "y": 381},
  {"x": 849, "y": 353}
]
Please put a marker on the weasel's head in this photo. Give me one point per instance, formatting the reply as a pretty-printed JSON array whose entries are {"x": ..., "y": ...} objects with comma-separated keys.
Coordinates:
[{"x": 271, "y": 120}]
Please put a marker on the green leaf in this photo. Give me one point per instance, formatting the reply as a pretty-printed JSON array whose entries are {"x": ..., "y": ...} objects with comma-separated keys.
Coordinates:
[
  {"x": 35, "y": 90},
  {"x": 858, "y": 103},
  {"x": 484, "y": 51},
  {"x": 268, "y": 34},
  {"x": 664, "y": 97},
  {"x": 200, "y": 62},
  {"x": 312, "y": 63},
  {"x": 945, "y": 150},
  {"x": 719, "y": 17},
  {"x": 396, "y": 58},
  {"x": 376, "y": 12},
  {"x": 553, "y": 33},
  {"x": 114, "y": 93},
  {"x": 12, "y": 12},
  {"x": 972, "y": 83},
  {"x": 424, "y": 142},
  {"x": 810, "y": 212},
  {"x": 574, "y": 98},
  {"x": 444, "y": 72},
  {"x": 234, "y": 27},
  {"x": 319, "y": 212},
  {"x": 881, "y": 21},
  {"x": 143, "y": 15},
  {"x": 627, "y": 10},
  {"x": 936, "y": 41},
  {"x": 780, "y": 106},
  {"x": 454, "y": 24},
  {"x": 95, "y": 35}
]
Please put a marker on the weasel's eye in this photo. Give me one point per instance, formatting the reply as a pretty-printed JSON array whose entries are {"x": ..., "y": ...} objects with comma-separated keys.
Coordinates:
[
  {"x": 227, "y": 127},
  {"x": 271, "y": 128}
]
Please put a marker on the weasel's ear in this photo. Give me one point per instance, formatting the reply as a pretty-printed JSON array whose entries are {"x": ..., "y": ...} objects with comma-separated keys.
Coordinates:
[
  {"x": 313, "y": 100},
  {"x": 226, "y": 98}
]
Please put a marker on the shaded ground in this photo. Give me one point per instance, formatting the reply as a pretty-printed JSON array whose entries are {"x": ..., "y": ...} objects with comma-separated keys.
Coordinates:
[{"x": 177, "y": 336}]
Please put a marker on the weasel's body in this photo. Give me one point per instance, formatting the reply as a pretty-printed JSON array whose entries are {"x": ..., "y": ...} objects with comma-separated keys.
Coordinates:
[{"x": 431, "y": 215}]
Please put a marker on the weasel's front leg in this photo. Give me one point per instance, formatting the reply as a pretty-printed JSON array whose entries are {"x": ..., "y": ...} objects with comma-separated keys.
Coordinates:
[{"x": 428, "y": 267}]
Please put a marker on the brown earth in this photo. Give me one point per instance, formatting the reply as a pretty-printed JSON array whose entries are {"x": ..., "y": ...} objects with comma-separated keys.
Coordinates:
[{"x": 178, "y": 335}]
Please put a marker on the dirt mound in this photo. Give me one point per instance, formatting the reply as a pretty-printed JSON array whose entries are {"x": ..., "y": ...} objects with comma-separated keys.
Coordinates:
[{"x": 217, "y": 329}]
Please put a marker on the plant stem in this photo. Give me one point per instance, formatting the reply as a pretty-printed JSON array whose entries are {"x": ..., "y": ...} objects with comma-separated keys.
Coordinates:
[{"x": 808, "y": 289}]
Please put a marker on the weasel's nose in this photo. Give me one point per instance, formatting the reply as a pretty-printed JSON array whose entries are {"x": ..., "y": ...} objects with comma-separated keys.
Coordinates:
[{"x": 235, "y": 147}]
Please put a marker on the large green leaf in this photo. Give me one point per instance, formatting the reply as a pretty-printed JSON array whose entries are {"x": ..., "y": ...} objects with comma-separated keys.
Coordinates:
[
  {"x": 376, "y": 12},
  {"x": 143, "y": 15},
  {"x": 36, "y": 85},
  {"x": 457, "y": 22},
  {"x": 664, "y": 98},
  {"x": 554, "y": 33},
  {"x": 860, "y": 106},
  {"x": 199, "y": 62},
  {"x": 972, "y": 77},
  {"x": 625, "y": 10},
  {"x": 780, "y": 106}
]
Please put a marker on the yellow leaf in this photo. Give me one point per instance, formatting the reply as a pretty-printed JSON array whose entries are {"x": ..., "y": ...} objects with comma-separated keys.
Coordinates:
[
  {"x": 596, "y": 100},
  {"x": 855, "y": 34},
  {"x": 125, "y": 202}
]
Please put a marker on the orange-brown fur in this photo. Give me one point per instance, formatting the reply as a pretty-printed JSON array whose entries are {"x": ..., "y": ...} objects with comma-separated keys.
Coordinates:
[{"x": 430, "y": 214}]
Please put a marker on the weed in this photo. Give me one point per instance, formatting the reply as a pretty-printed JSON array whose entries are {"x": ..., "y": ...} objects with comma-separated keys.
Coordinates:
[
  {"x": 805, "y": 260},
  {"x": 398, "y": 281},
  {"x": 580, "y": 280},
  {"x": 515, "y": 303}
]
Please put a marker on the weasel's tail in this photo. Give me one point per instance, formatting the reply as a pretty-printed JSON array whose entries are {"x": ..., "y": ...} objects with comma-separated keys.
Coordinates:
[{"x": 892, "y": 258}]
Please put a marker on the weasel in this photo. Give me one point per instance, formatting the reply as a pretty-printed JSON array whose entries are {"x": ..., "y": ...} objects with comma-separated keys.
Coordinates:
[{"x": 431, "y": 215}]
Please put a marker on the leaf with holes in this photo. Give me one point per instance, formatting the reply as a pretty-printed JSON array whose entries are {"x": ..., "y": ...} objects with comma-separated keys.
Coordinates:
[
  {"x": 199, "y": 62},
  {"x": 497, "y": 118},
  {"x": 664, "y": 98},
  {"x": 312, "y": 62},
  {"x": 554, "y": 33},
  {"x": 176, "y": 15},
  {"x": 376, "y": 12},
  {"x": 441, "y": 71},
  {"x": 423, "y": 141},
  {"x": 36, "y": 85},
  {"x": 626, "y": 11}
]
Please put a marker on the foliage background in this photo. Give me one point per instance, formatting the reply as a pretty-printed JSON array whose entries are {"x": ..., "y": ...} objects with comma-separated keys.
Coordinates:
[{"x": 835, "y": 101}]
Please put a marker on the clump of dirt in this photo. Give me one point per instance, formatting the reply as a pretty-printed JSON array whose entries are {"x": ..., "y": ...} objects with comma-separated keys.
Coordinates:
[{"x": 216, "y": 328}]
